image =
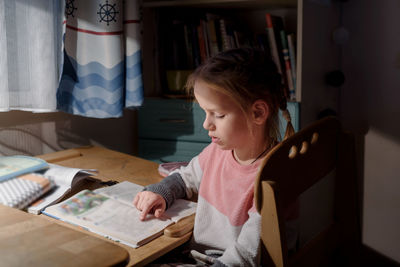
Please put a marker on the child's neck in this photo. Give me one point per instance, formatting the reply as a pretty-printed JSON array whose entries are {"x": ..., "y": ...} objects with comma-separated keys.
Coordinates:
[{"x": 251, "y": 156}]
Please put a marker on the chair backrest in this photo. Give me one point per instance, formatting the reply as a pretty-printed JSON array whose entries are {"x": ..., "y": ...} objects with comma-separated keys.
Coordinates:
[{"x": 291, "y": 168}]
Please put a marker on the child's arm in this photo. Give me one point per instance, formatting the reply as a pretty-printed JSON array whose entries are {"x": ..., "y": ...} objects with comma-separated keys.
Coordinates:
[{"x": 182, "y": 183}]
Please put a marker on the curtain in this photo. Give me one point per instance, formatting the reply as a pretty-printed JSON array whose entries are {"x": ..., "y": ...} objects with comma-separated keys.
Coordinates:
[
  {"x": 30, "y": 54},
  {"x": 102, "y": 58}
]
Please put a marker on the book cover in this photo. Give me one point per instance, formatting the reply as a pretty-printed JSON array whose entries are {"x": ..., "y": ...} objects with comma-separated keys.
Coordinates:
[
  {"x": 109, "y": 212},
  {"x": 13, "y": 166}
]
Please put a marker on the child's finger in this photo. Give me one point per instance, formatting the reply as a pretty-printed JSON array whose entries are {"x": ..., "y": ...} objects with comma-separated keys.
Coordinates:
[
  {"x": 158, "y": 212},
  {"x": 145, "y": 210},
  {"x": 135, "y": 200}
]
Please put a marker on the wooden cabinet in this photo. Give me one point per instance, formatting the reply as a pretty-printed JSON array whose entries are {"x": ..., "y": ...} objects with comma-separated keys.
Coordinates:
[
  {"x": 172, "y": 129},
  {"x": 161, "y": 130}
]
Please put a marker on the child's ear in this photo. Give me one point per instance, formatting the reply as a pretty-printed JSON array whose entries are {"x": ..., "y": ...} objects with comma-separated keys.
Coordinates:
[{"x": 260, "y": 111}]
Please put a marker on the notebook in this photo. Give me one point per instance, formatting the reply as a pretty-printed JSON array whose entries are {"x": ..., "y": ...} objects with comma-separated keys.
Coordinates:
[
  {"x": 19, "y": 192},
  {"x": 13, "y": 166}
]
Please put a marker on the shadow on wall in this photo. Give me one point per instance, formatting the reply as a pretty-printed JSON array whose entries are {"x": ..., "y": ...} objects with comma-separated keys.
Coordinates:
[{"x": 29, "y": 133}]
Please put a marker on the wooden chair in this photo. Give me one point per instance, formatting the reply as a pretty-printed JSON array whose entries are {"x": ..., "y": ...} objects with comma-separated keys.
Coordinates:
[{"x": 291, "y": 168}]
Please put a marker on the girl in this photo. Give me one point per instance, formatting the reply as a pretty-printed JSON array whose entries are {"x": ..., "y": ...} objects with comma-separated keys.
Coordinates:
[{"x": 240, "y": 91}]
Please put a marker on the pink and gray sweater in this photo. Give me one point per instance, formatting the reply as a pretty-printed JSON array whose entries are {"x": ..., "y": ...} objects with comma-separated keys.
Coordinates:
[{"x": 226, "y": 218}]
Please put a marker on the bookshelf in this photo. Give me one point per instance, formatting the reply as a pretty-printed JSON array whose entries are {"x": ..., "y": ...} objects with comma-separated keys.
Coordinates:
[{"x": 311, "y": 22}]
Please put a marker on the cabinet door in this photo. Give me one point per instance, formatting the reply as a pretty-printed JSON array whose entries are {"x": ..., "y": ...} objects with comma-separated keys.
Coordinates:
[{"x": 171, "y": 119}]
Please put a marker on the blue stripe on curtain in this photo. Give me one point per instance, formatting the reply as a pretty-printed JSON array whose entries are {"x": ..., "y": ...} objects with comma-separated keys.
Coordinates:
[{"x": 102, "y": 71}]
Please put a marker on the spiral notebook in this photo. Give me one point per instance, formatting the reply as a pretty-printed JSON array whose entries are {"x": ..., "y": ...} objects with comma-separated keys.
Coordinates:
[{"x": 19, "y": 192}]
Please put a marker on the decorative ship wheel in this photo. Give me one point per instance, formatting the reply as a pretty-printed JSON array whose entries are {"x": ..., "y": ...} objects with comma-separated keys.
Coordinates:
[
  {"x": 69, "y": 8},
  {"x": 107, "y": 12}
]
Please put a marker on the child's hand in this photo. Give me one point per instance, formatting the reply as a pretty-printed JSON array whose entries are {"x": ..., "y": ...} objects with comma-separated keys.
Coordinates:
[{"x": 149, "y": 202}]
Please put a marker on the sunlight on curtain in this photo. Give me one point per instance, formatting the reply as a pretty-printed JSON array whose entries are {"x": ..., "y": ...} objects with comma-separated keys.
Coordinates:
[
  {"x": 102, "y": 62},
  {"x": 30, "y": 54}
]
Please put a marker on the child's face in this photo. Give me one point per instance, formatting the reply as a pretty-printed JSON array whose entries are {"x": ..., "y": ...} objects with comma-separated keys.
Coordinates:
[{"x": 225, "y": 121}]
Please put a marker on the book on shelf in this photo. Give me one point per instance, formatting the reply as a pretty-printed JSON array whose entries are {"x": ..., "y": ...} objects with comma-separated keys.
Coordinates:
[
  {"x": 21, "y": 191},
  {"x": 195, "y": 45},
  {"x": 206, "y": 36},
  {"x": 13, "y": 166},
  {"x": 63, "y": 180},
  {"x": 187, "y": 30},
  {"x": 272, "y": 42},
  {"x": 263, "y": 43},
  {"x": 274, "y": 26},
  {"x": 202, "y": 44},
  {"x": 292, "y": 56},
  {"x": 212, "y": 34},
  {"x": 226, "y": 43},
  {"x": 288, "y": 68},
  {"x": 109, "y": 212}
]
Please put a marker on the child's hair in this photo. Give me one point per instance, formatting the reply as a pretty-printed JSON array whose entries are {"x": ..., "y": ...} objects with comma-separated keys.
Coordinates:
[{"x": 246, "y": 74}]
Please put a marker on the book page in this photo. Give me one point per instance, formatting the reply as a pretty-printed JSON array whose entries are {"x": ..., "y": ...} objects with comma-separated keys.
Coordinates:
[
  {"x": 126, "y": 191},
  {"x": 108, "y": 217},
  {"x": 64, "y": 178},
  {"x": 181, "y": 209}
]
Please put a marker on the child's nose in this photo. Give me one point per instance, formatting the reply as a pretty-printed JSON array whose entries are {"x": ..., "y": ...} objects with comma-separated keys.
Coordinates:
[{"x": 207, "y": 124}]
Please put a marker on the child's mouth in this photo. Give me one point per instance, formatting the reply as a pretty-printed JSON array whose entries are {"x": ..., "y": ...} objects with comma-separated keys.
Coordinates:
[{"x": 214, "y": 139}]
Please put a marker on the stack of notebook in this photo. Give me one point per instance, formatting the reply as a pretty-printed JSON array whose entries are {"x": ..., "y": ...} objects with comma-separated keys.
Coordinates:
[
  {"x": 19, "y": 186},
  {"x": 19, "y": 192}
]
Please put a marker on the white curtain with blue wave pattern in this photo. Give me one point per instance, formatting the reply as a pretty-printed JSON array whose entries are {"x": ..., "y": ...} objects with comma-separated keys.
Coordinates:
[{"x": 102, "y": 58}]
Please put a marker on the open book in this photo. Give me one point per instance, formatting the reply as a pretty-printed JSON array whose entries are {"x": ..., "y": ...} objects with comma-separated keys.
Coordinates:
[
  {"x": 63, "y": 179},
  {"x": 109, "y": 212}
]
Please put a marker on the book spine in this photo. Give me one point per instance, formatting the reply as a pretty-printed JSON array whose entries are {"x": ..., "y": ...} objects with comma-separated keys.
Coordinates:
[
  {"x": 292, "y": 57},
  {"x": 188, "y": 46},
  {"x": 218, "y": 34},
  {"x": 285, "y": 52},
  {"x": 212, "y": 40},
  {"x": 195, "y": 45},
  {"x": 206, "y": 37},
  {"x": 236, "y": 38},
  {"x": 224, "y": 35},
  {"x": 202, "y": 46},
  {"x": 272, "y": 42}
]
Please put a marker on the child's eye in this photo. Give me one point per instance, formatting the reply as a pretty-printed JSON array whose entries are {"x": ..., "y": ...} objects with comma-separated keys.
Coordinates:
[{"x": 219, "y": 116}]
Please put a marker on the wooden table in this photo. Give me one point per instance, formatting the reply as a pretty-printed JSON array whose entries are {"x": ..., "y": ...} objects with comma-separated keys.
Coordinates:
[
  {"x": 30, "y": 240},
  {"x": 112, "y": 165}
]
